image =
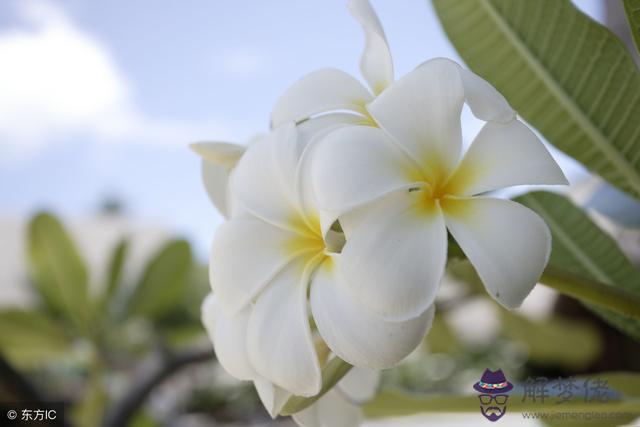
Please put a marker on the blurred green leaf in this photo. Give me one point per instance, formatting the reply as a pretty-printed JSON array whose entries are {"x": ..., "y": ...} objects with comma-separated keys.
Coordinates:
[
  {"x": 567, "y": 75},
  {"x": 555, "y": 341},
  {"x": 164, "y": 281},
  {"x": 397, "y": 403},
  {"x": 114, "y": 273},
  {"x": 632, "y": 10},
  {"x": 580, "y": 247},
  {"x": 441, "y": 337},
  {"x": 58, "y": 270},
  {"x": 29, "y": 338}
]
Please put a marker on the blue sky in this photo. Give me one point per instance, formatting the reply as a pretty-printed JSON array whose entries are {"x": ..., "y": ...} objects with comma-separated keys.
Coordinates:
[{"x": 100, "y": 99}]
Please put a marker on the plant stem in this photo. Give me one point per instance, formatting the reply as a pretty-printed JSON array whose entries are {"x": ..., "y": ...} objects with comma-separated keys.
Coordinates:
[
  {"x": 593, "y": 292},
  {"x": 331, "y": 374}
]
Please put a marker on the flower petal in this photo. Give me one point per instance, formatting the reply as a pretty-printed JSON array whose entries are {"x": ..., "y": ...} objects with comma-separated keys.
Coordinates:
[
  {"x": 356, "y": 334},
  {"x": 321, "y": 91},
  {"x": 228, "y": 336},
  {"x": 394, "y": 260},
  {"x": 360, "y": 384},
  {"x": 225, "y": 154},
  {"x": 310, "y": 133},
  {"x": 331, "y": 410},
  {"x": 507, "y": 243},
  {"x": 357, "y": 164},
  {"x": 485, "y": 101},
  {"x": 246, "y": 255},
  {"x": 218, "y": 158},
  {"x": 263, "y": 179},
  {"x": 273, "y": 398},
  {"x": 376, "y": 64},
  {"x": 503, "y": 155},
  {"x": 421, "y": 111},
  {"x": 279, "y": 337}
]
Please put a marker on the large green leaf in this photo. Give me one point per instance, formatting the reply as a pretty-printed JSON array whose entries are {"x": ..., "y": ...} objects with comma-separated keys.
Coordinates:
[
  {"x": 632, "y": 10},
  {"x": 164, "y": 281},
  {"x": 564, "y": 73},
  {"x": 29, "y": 337},
  {"x": 580, "y": 247},
  {"x": 57, "y": 269}
]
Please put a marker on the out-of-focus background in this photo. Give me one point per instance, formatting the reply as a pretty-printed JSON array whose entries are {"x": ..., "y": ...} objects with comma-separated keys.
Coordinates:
[{"x": 98, "y": 102}]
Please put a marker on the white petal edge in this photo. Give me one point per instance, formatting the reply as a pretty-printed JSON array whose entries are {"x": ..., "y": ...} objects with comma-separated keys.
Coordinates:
[
  {"x": 273, "y": 398},
  {"x": 357, "y": 335},
  {"x": 421, "y": 111},
  {"x": 279, "y": 338},
  {"x": 263, "y": 180},
  {"x": 216, "y": 182},
  {"x": 359, "y": 385},
  {"x": 376, "y": 63},
  {"x": 485, "y": 101},
  {"x": 321, "y": 91},
  {"x": 218, "y": 158},
  {"x": 394, "y": 259},
  {"x": 357, "y": 164},
  {"x": 504, "y": 155},
  {"x": 246, "y": 255},
  {"x": 508, "y": 244},
  {"x": 310, "y": 133},
  {"x": 331, "y": 410},
  {"x": 225, "y": 154},
  {"x": 228, "y": 336}
]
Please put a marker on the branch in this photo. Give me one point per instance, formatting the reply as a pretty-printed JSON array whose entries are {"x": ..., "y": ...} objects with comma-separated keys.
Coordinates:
[{"x": 152, "y": 373}]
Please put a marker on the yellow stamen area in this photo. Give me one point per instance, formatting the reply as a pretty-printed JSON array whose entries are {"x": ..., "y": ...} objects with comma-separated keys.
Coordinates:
[
  {"x": 442, "y": 193},
  {"x": 308, "y": 239}
]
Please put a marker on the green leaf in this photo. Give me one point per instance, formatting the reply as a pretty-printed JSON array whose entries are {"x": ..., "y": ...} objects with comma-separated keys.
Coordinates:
[
  {"x": 632, "y": 10},
  {"x": 28, "y": 338},
  {"x": 398, "y": 403},
  {"x": 164, "y": 281},
  {"x": 332, "y": 373},
  {"x": 58, "y": 271},
  {"x": 564, "y": 73},
  {"x": 580, "y": 247},
  {"x": 114, "y": 274},
  {"x": 555, "y": 341}
]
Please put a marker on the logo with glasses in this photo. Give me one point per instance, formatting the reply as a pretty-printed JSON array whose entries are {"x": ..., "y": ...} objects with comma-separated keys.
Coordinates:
[{"x": 493, "y": 388}]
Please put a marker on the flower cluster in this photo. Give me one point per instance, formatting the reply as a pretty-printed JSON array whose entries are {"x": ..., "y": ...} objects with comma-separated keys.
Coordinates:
[{"x": 336, "y": 233}]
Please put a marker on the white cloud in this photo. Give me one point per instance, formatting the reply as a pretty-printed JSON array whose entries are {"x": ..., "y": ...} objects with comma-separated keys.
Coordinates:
[{"x": 56, "y": 80}]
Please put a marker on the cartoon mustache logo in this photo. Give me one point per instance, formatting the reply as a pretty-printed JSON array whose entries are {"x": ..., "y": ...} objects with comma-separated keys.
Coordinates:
[
  {"x": 493, "y": 410},
  {"x": 493, "y": 388}
]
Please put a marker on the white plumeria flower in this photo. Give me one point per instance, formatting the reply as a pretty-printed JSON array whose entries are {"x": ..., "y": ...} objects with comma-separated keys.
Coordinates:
[
  {"x": 268, "y": 258},
  {"x": 330, "y": 89},
  {"x": 339, "y": 407},
  {"x": 218, "y": 160},
  {"x": 410, "y": 186}
]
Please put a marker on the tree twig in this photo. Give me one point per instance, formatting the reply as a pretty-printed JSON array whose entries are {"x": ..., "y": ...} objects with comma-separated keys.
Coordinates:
[{"x": 152, "y": 373}]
